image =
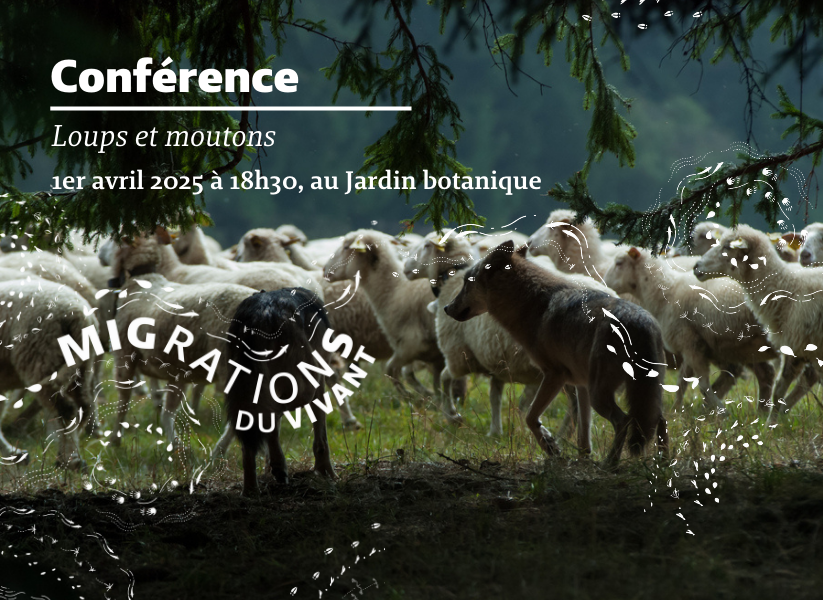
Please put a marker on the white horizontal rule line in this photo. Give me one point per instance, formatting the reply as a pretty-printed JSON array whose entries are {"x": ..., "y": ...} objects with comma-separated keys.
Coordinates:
[{"x": 230, "y": 108}]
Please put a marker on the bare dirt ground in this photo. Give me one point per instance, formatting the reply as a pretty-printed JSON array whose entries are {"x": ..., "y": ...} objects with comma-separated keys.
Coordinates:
[{"x": 560, "y": 528}]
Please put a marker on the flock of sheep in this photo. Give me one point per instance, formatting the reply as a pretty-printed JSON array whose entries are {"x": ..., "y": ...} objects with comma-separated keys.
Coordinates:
[{"x": 727, "y": 300}]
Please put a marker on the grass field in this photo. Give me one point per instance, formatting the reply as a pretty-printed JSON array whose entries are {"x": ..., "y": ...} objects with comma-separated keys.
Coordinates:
[{"x": 735, "y": 510}]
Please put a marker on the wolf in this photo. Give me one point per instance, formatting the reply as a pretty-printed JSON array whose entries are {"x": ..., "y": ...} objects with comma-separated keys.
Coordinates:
[{"x": 577, "y": 336}]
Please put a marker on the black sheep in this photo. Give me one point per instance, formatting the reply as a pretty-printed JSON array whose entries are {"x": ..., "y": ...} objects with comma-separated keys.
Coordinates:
[{"x": 263, "y": 325}]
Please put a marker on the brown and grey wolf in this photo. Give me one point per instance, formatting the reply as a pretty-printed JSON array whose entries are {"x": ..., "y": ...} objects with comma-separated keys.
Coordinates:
[{"x": 574, "y": 335}]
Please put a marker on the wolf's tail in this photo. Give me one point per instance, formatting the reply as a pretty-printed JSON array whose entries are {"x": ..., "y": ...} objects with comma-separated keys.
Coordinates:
[{"x": 645, "y": 397}]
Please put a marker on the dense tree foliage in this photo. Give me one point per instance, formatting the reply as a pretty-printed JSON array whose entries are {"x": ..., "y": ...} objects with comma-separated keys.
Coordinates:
[{"x": 379, "y": 59}]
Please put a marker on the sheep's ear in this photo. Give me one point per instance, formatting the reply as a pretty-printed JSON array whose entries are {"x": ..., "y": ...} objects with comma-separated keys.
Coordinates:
[
  {"x": 793, "y": 240},
  {"x": 162, "y": 234},
  {"x": 567, "y": 221},
  {"x": 634, "y": 253},
  {"x": 739, "y": 243},
  {"x": 716, "y": 233},
  {"x": 358, "y": 245},
  {"x": 255, "y": 241},
  {"x": 290, "y": 241}
]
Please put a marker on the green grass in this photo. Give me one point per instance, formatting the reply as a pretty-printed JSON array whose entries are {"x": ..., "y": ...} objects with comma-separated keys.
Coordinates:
[
  {"x": 395, "y": 429},
  {"x": 503, "y": 521}
]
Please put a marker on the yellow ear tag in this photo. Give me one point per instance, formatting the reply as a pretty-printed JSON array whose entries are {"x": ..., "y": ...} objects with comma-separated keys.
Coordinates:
[
  {"x": 775, "y": 237},
  {"x": 796, "y": 243},
  {"x": 738, "y": 243},
  {"x": 717, "y": 234}
]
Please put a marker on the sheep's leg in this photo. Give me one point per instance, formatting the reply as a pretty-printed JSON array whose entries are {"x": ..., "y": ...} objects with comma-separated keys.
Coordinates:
[
  {"x": 446, "y": 400},
  {"x": 28, "y": 413},
  {"x": 584, "y": 424},
  {"x": 124, "y": 397},
  {"x": 156, "y": 393},
  {"x": 349, "y": 420},
  {"x": 322, "y": 455},
  {"x": 527, "y": 397},
  {"x": 549, "y": 388},
  {"x": 93, "y": 419},
  {"x": 277, "y": 460},
  {"x": 223, "y": 443},
  {"x": 726, "y": 379},
  {"x": 764, "y": 373},
  {"x": 459, "y": 390},
  {"x": 394, "y": 366},
  {"x": 802, "y": 387},
  {"x": 170, "y": 406},
  {"x": 683, "y": 372},
  {"x": 700, "y": 367},
  {"x": 409, "y": 375},
  {"x": 496, "y": 402},
  {"x": 196, "y": 394},
  {"x": 570, "y": 419},
  {"x": 59, "y": 412},
  {"x": 4, "y": 444},
  {"x": 790, "y": 368}
]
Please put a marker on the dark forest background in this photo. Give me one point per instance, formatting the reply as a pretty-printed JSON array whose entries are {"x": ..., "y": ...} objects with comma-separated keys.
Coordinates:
[{"x": 680, "y": 110}]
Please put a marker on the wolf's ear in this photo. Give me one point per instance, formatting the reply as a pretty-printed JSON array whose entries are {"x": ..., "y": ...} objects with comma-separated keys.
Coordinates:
[
  {"x": 501, "y": 254},
  {"x": 522, "y": 250},
  {"x": 507, "y": 247}
]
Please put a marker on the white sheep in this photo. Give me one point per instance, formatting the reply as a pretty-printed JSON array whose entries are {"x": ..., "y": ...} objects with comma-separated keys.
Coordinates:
[
  {"x": 367, "y": 257},
  {"x": 53, "y": 268},
  {"x": 34, "y": 313},
  {"x": 811, "y": 250},
  {"x": 782, "y": 296},
  {"x": 204, "y": 309},
  {"x": 293, "y": 233},
  {"x": 705, "y": 234},
  {"x": 573, "y": 248},
  {"x": 696, "y": 320},
  {"x": 154, "y": 253},
  {"x": 193, "y": 247}
]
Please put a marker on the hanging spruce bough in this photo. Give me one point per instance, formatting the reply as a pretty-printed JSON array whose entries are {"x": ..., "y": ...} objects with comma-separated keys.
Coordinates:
[
  {"x": 227, "y": 34},
  {"x": 412, "y": 75},
  {"x": 729, "y": 28}
]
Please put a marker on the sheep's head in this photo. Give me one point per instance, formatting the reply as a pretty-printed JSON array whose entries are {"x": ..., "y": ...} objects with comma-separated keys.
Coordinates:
[
  {"x": 437, "y": 253},
  {"x": 628, "y": 268},
  {"x": 787, "y": 245},
  {"x": 704, "y": 236},
  {"x": 293, "y": 234},
  {"x": 811, "y": 250},
  {"x": 481, "y": 280},
  {"x": 264, "y": 244},
  {"x": 184, "y": 241},
  {"x": 360, "y": 251},
  {"x": 143, "y": 251},
  {"x": 739, "y": 254},
  {"x": 559, "y": 238}
]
